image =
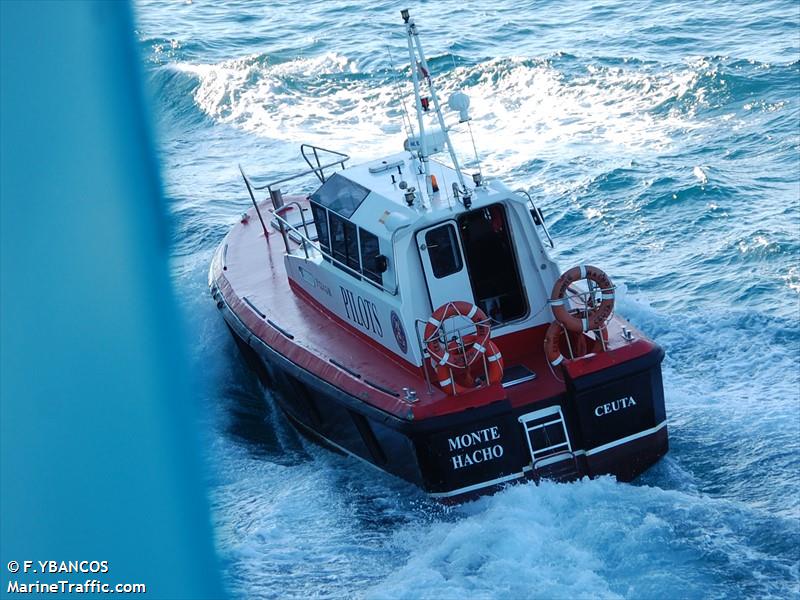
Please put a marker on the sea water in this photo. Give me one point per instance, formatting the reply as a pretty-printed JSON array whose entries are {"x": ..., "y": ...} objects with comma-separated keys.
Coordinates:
[{"x": 662, "y": 142}]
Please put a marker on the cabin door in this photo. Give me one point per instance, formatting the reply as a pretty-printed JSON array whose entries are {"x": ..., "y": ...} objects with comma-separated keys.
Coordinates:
[{"x": 443, "y": 262}]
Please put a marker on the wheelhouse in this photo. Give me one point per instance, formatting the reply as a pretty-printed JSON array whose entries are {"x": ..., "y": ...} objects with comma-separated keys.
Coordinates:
[{"x": 339, "y": 238}]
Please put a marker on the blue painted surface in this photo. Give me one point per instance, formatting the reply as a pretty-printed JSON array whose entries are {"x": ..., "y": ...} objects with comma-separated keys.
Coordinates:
[
  {"x": 661, "y": 139},
  {"x": 98, "y": 427}
]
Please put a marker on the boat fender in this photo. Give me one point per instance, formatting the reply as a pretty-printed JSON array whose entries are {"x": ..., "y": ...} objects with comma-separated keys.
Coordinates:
[
  {"x": 597, "y": 316},
  {"x": 475, "y": 343},
  {"x": 462, "y": 381}
]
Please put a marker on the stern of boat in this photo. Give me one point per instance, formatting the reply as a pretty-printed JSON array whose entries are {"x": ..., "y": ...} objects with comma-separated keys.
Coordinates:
[{"x": 619, "y": 415}]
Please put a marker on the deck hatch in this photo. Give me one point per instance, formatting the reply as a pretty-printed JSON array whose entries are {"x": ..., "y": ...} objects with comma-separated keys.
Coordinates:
[{"x": 517, "y": 374}]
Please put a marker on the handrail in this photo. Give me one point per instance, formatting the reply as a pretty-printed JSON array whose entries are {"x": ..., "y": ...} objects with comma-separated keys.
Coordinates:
[
  {"x": 457, "y": 330},
  {"x": 307, "y": 240},
  {"x": 276, "y": 212},
  {"x": 584, "y": 299},
  {"x": 321, "y": 174},
  {"x": 539, "y": 214},
  {"x": 253, "y": 198},
  {"x": 319, "y": 170}
]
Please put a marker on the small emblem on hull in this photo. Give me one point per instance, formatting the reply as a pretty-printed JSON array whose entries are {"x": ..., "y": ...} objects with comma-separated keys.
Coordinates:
[
  {"x": 399, "y": 333},
  {"x": 312, "y": 280}
]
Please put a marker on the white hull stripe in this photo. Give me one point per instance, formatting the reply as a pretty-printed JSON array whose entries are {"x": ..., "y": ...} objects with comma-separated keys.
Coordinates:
[
  {"x": 551, "y": 460},
  {"x": 619, "y": 442},
  {"x": 477, "y": 486},
  {"x": 626, "y": 439}
]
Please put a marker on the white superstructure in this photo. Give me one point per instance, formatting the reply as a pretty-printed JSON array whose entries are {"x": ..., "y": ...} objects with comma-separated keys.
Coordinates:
[{"x": 390, "y": 240}]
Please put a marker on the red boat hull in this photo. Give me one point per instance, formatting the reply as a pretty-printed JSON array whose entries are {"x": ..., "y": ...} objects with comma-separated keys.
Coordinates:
[{"x": 462, "y": 454}]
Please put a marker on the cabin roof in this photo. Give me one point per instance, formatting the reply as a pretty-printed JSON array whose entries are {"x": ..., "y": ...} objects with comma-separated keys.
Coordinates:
[{"x": 374, "y": 197}]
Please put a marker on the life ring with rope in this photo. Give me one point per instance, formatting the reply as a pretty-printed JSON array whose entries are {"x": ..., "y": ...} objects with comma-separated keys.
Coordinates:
[
  {"x": 474, "y": 345},
  {"x": 552, "y": 343},
  {"x": 462, "y": 381},
  {"x": 593, "y": 317}
]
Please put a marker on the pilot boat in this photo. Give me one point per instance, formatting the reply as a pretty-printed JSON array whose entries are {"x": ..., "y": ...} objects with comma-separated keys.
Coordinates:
[{"x": 411, "y": 316}]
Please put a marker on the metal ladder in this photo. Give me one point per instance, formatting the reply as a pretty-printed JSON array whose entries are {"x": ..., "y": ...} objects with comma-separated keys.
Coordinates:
[{"x": 549, "y": 444}]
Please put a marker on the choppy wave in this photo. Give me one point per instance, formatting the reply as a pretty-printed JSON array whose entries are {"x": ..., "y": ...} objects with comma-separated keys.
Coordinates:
[
  {"x": 693, "y": 527},
  {"x": 552, "y": 107},
  {"x": 591, "y": 538},
  {"x": 327, "y": 98}
]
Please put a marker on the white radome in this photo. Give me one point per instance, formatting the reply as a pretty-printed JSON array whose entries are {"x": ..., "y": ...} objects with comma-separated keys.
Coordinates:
[{"x": 459, "y": 102}]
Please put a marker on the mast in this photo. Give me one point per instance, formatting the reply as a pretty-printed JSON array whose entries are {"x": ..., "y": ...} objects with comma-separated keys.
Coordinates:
[
  {"x": 421, "y": 64},
  {"x": 423, "y": 144}
]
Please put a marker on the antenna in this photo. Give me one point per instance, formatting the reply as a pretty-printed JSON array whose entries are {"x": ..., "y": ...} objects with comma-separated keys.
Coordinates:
[
  {"x": 474, "y": 147},
  {"x": 423, "y": 149},
  {"x": 460, "y": 102},
  {"x": 417, "y": 67},
  {"x": 405, "y": 116}
]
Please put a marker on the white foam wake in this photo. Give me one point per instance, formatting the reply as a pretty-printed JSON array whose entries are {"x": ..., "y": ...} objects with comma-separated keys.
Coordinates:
[
  {"x": 521, "y": 108},
  {"x": 597, "y": 539}
]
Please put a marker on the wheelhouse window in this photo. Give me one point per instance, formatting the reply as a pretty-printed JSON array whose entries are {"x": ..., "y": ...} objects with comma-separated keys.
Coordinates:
[
  {"x": 341, "y": 239},
  {"x": 340, "y": 195},
  {"x": 443, "y": 250},
  {"x": 344, "y": 242},
  {"x": 321, "y": 223},
  {"x": 370, "y": 256},
  {"x": 492, "y": 263}
]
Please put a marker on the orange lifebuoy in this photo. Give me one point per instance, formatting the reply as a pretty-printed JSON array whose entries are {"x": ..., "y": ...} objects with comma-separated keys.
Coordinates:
[
  {"x": 461, "y": 381},
  {"x": 475, "y": 343},
  {"x": 552, "y": 344},
  {"x": 593, "y": 317}
]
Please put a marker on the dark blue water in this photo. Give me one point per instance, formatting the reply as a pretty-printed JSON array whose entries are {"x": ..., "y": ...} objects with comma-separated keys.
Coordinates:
[{"x": 662, "y": 140}]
